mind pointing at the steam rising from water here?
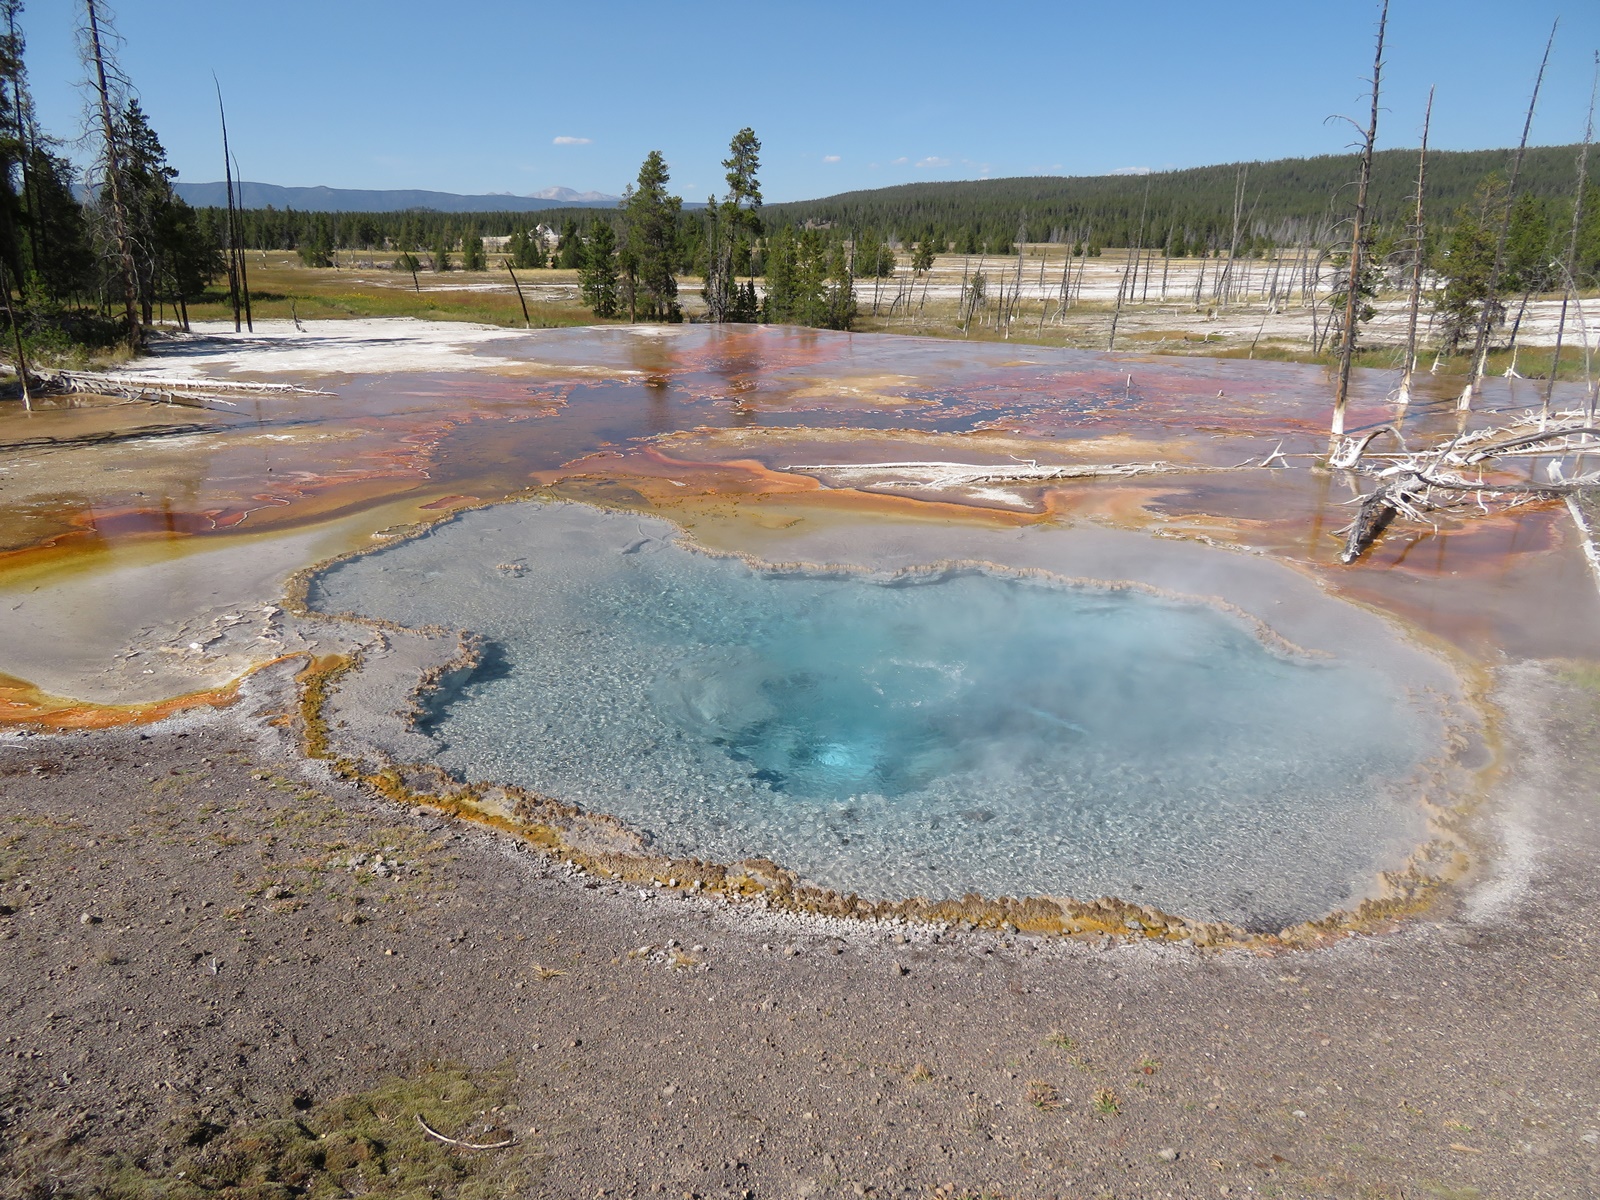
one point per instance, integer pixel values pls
(928, 735)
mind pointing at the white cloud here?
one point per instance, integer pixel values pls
(1130, 171)
(564, 140)
(830, 158)
(933, 160)
(900, 162)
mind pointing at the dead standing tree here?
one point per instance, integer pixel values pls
(122, 243)
(1418, 249)
(1352, 299)
(1486, 318)
(235, 254)
(1569, 264)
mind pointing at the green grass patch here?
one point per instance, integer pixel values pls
(369, 1144)
(279, 291)
(1580, 674)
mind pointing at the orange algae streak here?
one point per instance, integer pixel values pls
(24, 706)
(660, 483)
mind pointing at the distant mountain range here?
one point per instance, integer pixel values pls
(326, 199)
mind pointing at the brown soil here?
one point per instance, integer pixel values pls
(659, 1044)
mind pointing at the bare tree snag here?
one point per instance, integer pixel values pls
(119, 210)
(1352, 300)
(525, 320)
(1480, 349)
(16, 341)
(1418, 250)
(1569, 286)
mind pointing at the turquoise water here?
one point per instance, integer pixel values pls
(933, 734)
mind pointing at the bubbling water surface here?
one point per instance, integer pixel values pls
(929, 733)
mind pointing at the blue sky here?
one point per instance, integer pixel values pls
(498, 96)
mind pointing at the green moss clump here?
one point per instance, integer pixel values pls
(369, 1144)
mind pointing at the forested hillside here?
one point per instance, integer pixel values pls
(1283, 200)
(1281, 203)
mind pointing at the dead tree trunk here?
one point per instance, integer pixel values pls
(1480, 348)
(1568, 263)
(527, 323)
(1225, 280)
(1417, 233)
(1352, 299)
(16, 340)
(119, 210)
(244, 271)
(231, 227)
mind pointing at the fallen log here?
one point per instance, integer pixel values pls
(108, 384)
(1376, 511)
(101, 437)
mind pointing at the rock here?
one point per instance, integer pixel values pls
(277, 892)
(1299, 1112)
(900, 969)
(1167, 1154)
(89, 919)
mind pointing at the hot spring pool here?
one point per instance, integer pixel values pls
(927, 733)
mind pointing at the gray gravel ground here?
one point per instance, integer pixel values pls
(666, 1045)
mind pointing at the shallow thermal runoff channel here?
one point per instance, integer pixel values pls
(900, 709)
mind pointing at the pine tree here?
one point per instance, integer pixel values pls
(840, 310)
(1466, 266)
(441, 252)
(60, 261)
(172, 259)
(597, 278)
(525, 250)
(472, 256)
(652, 216)
(569, 248)
(732, 226)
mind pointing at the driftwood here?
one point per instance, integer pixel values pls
(1450, 477)
(450, 1141)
